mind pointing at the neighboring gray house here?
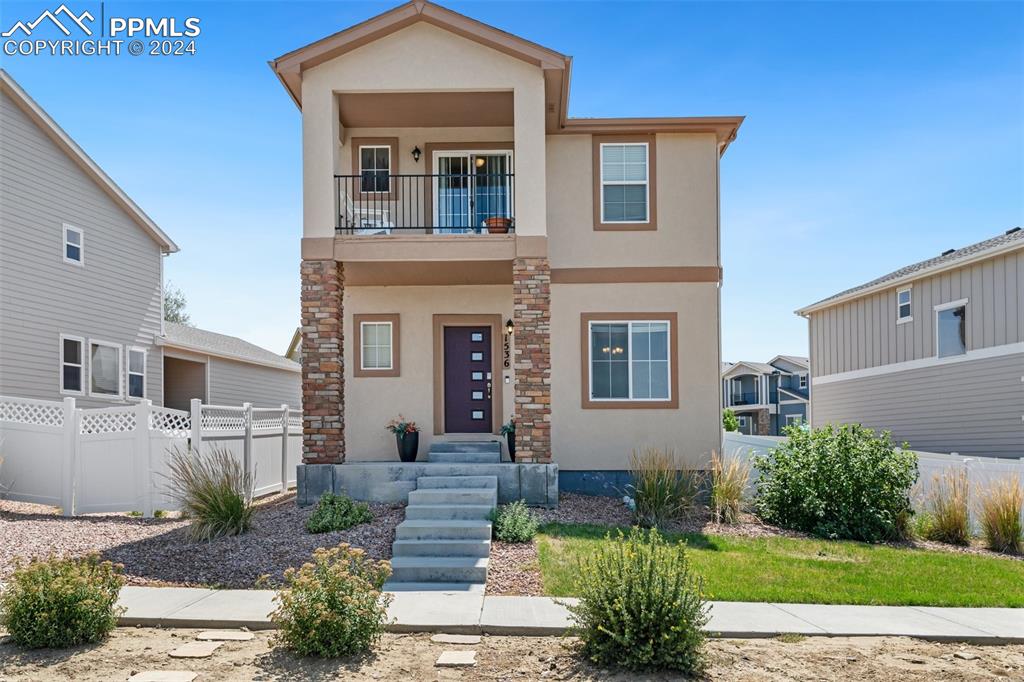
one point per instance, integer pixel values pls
(81, 286)
(767, 396)
(933, 352)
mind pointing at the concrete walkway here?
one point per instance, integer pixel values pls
(463, 609)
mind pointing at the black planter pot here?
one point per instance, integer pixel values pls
(510, 438)
(408, 446)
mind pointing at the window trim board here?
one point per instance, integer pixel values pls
(396, 344)
(587, 403)
(652, 183)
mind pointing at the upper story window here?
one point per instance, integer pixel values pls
(951, 328)
(136, 373)
(375, 168)
(629, 360)
(104, 369)
(625, 190)
(903, 297)
(74, 245)
(71, 364)
(803, 381)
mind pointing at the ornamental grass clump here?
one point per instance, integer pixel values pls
(999, 513)
(332, 606)
(337, 512)
(640, 605)
(57, 603)
(839, 483)
(947, 513)
(662, 490)
(213, 491)
(729, 477)
(514, 522)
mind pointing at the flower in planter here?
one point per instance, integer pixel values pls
(509, 428)
(400, 426)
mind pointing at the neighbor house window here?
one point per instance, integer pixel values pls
(377, 341)
(903, 305)
(794, 419)
(71, 365)
(74, 245)
(136, 373)
(624, 182)
(743, 421)
(375, 168)
(951, 329)
(803, 381)
(104, 369)
(629, 360)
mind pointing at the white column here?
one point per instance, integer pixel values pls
(247, 439)
(143, 460)
(70, 458)
(196, 424)
(284, 448)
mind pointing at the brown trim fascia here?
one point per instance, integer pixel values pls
(470, 320)
(652, 183)
(396, 345)
(428, 152)
(392, 142)
(531, 246)
(673, 354)
(688, 273)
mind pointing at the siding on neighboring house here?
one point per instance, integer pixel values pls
(115, 297)
(234, 383)
(973, 407)
(189, 382)
(863, 332)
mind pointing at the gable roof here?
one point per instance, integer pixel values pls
(557, 69)
(183, 337)
(792, 359)
(1010, 240)
(758, 367)
(295, 345)
(49, 127)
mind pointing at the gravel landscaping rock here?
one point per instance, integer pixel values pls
(158, 552)
(513, 569)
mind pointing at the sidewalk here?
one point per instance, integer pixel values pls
(463, 609)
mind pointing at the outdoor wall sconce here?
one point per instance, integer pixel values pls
(416, 154)
(509, 327)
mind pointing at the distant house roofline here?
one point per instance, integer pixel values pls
(194, 340)
(65, 142)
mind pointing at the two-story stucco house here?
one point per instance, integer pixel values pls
(767, 396)
(473, 254)
(81, 288)
(933, 352)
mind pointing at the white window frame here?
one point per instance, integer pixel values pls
(120, 370)
(803, 381)
(375, 170)
(391, 346)
(909, 290)
(128, 372)
(83, 349)
(794, 419)
(949, 306)
(646, 183)
(629, 360)
(743, 420)
(81, 245)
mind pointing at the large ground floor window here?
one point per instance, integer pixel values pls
(629, 361)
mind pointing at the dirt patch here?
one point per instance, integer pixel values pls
(412, 657)
(158, 551)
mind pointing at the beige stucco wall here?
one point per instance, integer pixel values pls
(420, 58)
(687, 209)
(371, 401)
(603, 438)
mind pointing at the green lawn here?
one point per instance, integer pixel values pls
(809, 571)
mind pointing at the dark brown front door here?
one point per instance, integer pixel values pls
(467, 379)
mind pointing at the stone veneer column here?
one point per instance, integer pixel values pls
(764, 423)
(531, 298)
(323, 369)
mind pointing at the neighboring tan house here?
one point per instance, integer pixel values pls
(767, 396)
(472, 254)
(81, 286)
(933, 352)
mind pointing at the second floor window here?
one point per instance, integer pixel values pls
(624, 183)
(951, 329)
(375, 168)
(803, 381)
(903, 305)
(74, 246)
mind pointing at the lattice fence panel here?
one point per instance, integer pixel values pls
(266, 419)
(107, 421)
(223, 419)
(170, 422)
(294, 422)
(36, 414)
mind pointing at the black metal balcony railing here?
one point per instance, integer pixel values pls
(376, 202)
(751, 398)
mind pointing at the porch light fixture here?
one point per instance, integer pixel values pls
(509, 326)
(416, 154)
(480, 161)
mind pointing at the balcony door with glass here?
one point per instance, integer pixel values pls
(469, 188)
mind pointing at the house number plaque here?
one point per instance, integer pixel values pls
(507, 349)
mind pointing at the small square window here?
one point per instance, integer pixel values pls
(903, 300)
(478, 414)
(74, 245)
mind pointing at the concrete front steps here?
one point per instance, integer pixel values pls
(446, 535)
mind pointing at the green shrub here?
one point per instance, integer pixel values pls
(332, 606)
(947, 513)
(337, 512)
(730, 422)
(999, 512)
(661, 490)
(640, 605)
(213, 490)
(841, 482)
(729, 477)
(514, 522)
(58, 603)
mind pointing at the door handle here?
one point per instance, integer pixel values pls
(488, 390)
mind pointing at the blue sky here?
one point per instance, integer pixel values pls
(877, 134)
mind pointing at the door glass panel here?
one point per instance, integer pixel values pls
(478, 376)
(453, 197)
(476, 336)
(478, 395)
(491, 195)
(478, 414)
(477, 357)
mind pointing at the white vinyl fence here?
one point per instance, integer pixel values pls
(981, 471)
(114, 459)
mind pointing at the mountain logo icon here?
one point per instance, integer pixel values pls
(69, 16)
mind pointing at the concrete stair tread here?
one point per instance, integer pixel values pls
(448, 511)
(439, 561)
(456, 482)
(460, 457)
(431, 523)
(454, 496)
(477, 548)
